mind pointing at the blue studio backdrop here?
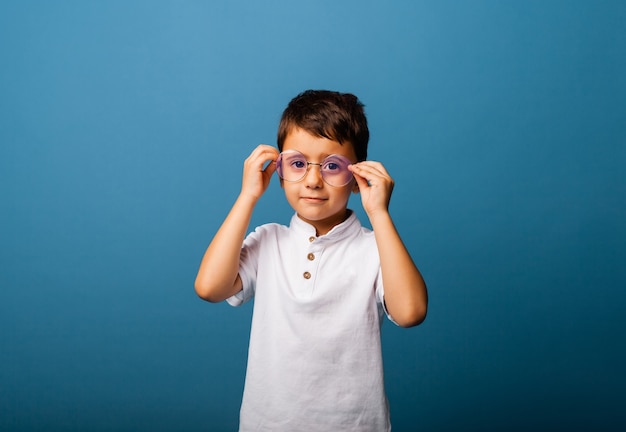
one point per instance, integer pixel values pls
(123, 130)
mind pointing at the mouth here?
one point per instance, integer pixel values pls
(313, 199)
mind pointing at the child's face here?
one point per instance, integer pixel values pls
(315, 201)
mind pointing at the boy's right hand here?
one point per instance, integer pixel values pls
(256, 179)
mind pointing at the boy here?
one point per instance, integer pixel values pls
(321, 285)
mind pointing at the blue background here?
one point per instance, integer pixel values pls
(123, 129)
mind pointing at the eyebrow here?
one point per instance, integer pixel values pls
(307, 157)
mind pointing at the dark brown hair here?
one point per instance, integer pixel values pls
(327, 114)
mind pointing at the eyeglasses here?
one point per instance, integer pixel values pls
(292, 166)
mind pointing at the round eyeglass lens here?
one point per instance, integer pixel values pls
(335, 170)
(291, 166)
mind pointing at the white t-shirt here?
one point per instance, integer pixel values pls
(314, 360)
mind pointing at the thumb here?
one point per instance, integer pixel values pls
(270, 168)
(361, 181)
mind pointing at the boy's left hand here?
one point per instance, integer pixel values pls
(375, 186)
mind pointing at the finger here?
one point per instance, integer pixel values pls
(262, 154)
(270, 168)
(266, 150)
(372, 175)
(372, 168)
(361, 181)
(360, 175)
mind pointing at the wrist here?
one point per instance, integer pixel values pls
(379, 216)
(247, 199)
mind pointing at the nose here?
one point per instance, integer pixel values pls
(313, 176)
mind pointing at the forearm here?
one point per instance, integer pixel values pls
(217, 277)
(406, 296)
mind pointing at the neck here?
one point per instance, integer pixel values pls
(323, 227)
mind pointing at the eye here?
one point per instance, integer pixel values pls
(298, 164)
(335, 164)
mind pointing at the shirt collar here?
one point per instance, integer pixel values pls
(339, 232)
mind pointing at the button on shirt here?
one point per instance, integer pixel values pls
(314, 361)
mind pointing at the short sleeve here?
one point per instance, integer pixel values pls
(380, 296)
(248, 264)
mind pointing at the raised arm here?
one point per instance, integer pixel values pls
(218, 276)
(406, 297)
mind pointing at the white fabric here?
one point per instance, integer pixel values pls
(314, 361)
